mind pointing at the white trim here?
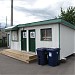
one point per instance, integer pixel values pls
(27, 40)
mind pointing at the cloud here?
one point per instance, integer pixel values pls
(46, 13)
(50, 10)
(29, 1)
(32, 10)
(4, 11)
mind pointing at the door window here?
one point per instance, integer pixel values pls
(24, 34)
(32, 34)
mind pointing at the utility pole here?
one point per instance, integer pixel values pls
(6, 22)
(11, 12)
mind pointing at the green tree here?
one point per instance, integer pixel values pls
(68, 15)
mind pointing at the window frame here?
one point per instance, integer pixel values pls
(12, 36)
(45, 37)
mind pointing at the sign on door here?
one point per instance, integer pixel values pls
(24, 34)
(32, 34)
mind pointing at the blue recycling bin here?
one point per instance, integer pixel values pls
(53, 56)
(42, 56)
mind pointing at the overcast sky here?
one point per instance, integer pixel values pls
(26, 11)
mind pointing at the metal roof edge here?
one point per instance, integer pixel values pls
(40, 23)
(11, 28)
(67, 24)
(51, 21)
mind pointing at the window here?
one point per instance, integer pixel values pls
(32, 34)
(14, 36)
(46, 34)
(24, 34)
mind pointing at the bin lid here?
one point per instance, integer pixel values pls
(41, 49)
(53, 49)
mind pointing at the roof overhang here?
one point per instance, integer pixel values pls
(12, 28)
(52, 21)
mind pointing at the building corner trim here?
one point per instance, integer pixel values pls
(59, 35)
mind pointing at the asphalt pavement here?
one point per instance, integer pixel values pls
(10, 66)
